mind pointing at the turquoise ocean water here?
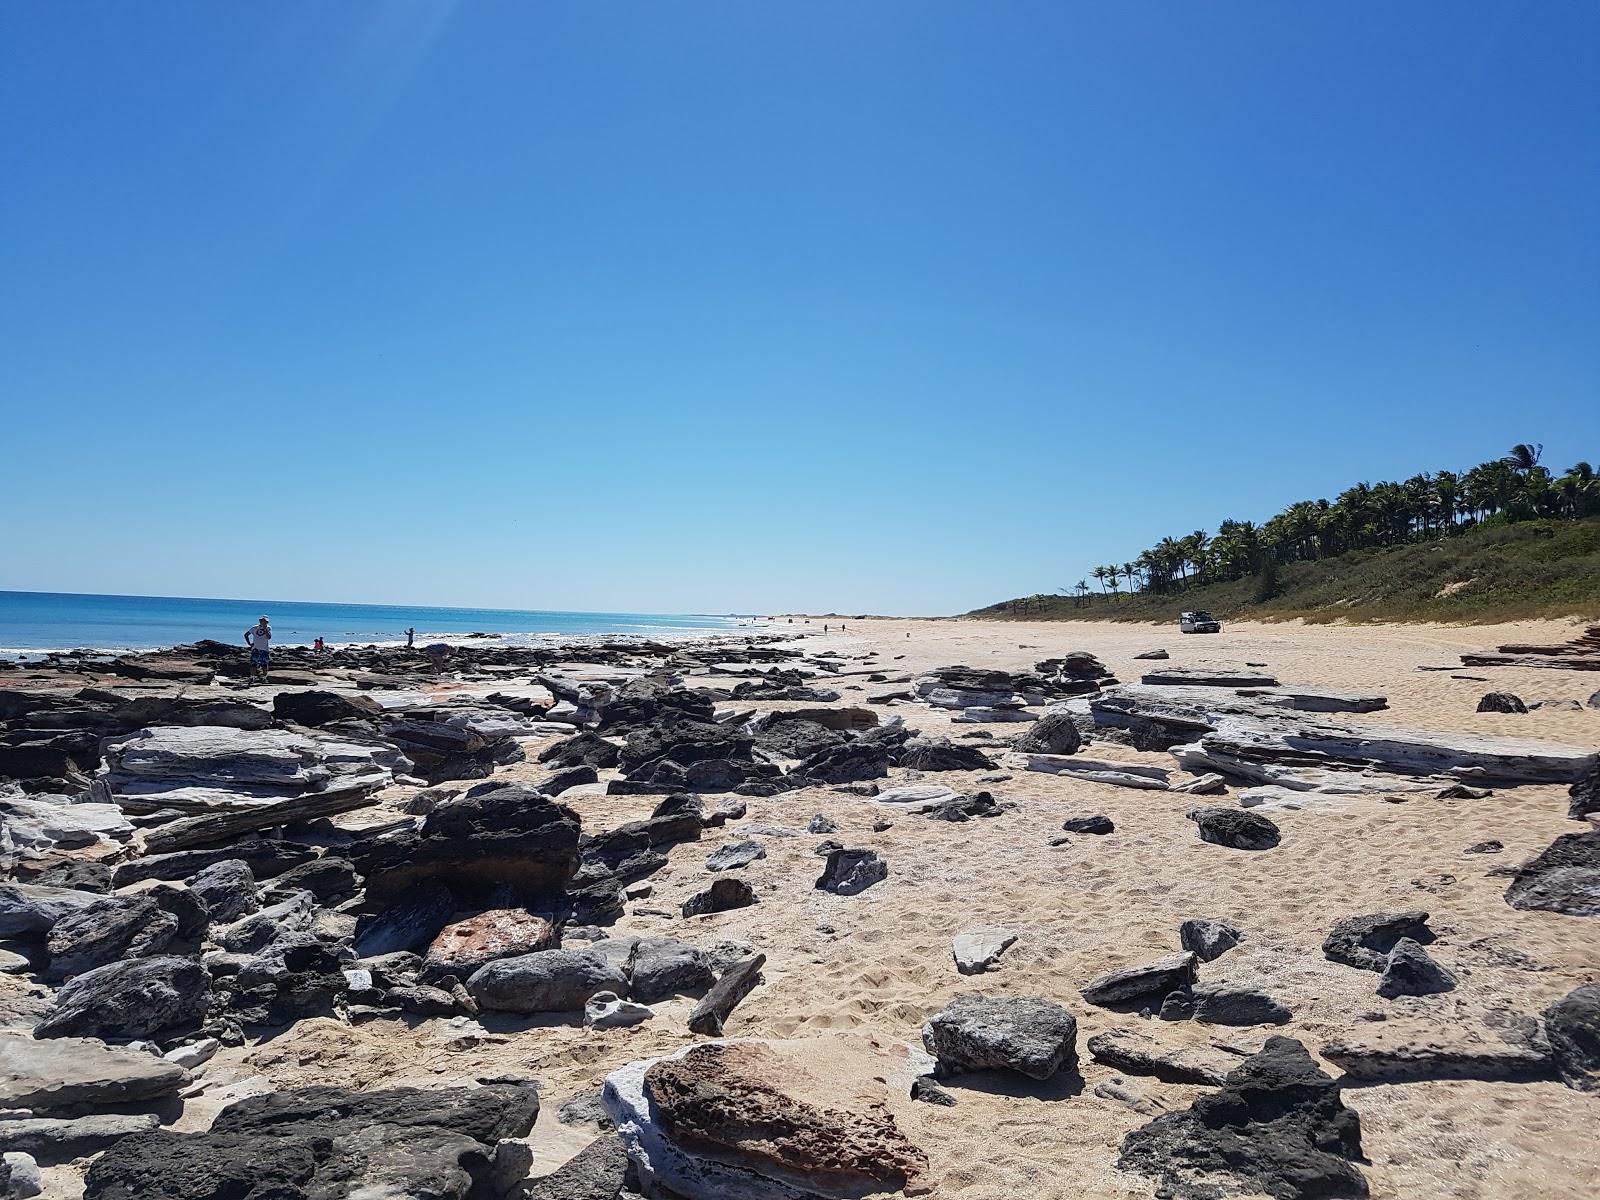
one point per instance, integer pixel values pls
(62, 620)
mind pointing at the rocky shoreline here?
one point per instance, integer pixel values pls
(509, 848)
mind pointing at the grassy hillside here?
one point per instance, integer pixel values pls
(1492, 573)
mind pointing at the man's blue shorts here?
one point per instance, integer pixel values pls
(258, 658)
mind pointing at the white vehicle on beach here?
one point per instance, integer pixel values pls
(1199, 621)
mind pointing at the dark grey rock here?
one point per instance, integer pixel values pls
(1365, 941)
(926, 1090)
(1276, 1127)
(821, 823)
(1585, 793)
(1501, 702)
(1572, 1025)
(1220, 1004)
(600, 1171)
(1564, 878)
(227, 889)
(1029, 1035)
(1098, 823)
(941, 754)
(136, 998)
(849, 872)
(1053, 733)
(726, 893)
(112, 928)
(1237, 828)
(662, 967)
(734, 855)
(1150, 980)
(548, 981)
(1208, 939)
(1410, 971)
(1494, 846)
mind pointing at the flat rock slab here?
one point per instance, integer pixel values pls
(1206, 677)
(917, 797)
(778, 1120)
(1151, 979)
(977, 950)
(1093, 770)
(1411, 1050)
(1140, 1054)
(62, 1072)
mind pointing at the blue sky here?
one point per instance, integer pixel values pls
(899, 307)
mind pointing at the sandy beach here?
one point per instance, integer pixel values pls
(874, 967)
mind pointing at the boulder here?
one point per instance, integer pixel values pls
(112, 928)
(28, 908)
(330, 879)
(661, 967)
(548, 981)
(319, 1142)
(1410, 971)
(852, 762)
(1277, 1126)
(1029, 1035)
(849, 872)
(1234, 827)
(976, 950)
(1564, 878)
(1366, 941)
(1053, 733)
(1225, 1004)
(941, 754)
(1207, 939)
(584, 749)
(726, 893)
(315, 708)
(509, 837)
(59, 1138)
(66, 1072)
(762, 1119)
(1572, 1025)
(137, 998)
(676, 737)
(1501, 702)
(227, 889)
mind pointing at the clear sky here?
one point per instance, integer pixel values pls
(901, 307)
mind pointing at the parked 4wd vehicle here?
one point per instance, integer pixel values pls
(1199, 621)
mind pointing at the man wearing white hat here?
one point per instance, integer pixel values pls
(259, 638)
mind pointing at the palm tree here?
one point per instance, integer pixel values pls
(1524, 456)
(1130, 572)
(1099, 575)
(1083, 591)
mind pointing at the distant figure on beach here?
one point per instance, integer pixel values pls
(437, 652)
(319, 647)
(259, 638)
(411, 638)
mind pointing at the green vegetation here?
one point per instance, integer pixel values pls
(1503, 541)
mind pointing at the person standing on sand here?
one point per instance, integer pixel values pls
(411, 638)
(259, 638)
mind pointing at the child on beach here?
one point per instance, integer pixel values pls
(259, 638)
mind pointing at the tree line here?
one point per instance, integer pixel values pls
(1517, 487)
